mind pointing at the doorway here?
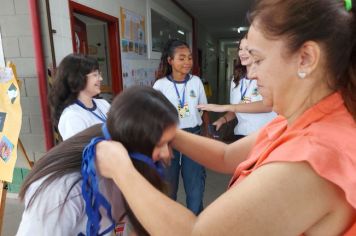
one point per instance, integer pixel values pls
(96, 34)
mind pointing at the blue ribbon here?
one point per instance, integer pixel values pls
(136, 155)
(90, 189)
(154, 165)
(91, 193)
(181, 101)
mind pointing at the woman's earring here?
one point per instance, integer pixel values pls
(301, 75)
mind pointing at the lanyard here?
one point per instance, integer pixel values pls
(181, 101)
(136, 155)
(242, 90)
(101, 116)
(154, 165)
(94, 200)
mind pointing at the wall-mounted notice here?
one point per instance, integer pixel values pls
(133, 35)
(133, 75)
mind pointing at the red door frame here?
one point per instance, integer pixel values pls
(114, 39)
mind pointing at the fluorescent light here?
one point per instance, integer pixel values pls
(241, 29)
(181, 32)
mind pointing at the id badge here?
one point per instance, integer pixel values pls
(120, 229)
(183, 111)
(246, 100)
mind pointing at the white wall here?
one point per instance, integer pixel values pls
(17, 39)
(61, 22)
(18, 46)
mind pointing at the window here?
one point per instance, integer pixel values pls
(164, 29)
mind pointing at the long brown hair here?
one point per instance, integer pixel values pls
(240, 71)
(70, 79)
(137, 118)
(323, 21)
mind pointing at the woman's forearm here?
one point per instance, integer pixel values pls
(213, 154)
(132, 185)
(253, 107)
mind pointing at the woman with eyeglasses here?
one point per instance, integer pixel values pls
(73, 105)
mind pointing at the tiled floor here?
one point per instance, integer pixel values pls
(215, 185)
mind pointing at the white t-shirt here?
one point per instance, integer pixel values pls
(47, 217)
(248, 122)
(194, 95)
(74, 118)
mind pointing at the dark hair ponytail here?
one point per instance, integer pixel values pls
(165, 68)
(151, 176)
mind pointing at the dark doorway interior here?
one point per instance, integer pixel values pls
(96, 34)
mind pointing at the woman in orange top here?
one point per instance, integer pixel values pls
(297, 175)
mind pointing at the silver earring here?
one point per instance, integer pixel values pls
(302, 75)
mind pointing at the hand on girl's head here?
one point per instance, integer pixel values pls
(111, 157)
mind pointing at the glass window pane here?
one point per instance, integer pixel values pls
(164, 29)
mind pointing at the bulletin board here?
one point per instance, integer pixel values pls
(10, 121)
(133, 35)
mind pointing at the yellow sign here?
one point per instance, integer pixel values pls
(10, 121)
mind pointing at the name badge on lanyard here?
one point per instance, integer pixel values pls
(183, 108)
(100, 116)
(243, 91)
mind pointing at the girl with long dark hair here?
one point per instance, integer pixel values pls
(72, 97)
(52, 191)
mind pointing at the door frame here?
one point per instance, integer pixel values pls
(114, 39)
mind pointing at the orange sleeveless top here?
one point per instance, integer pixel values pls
(324, 136)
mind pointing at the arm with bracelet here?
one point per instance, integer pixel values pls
(224, 119)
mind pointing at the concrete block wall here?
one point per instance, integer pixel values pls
(15, 26)
(18, 46)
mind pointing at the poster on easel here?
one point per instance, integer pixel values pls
(10, 120)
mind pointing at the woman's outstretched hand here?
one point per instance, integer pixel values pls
(212, 107)
(111, 157)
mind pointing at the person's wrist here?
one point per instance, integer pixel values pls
(225, 119)
(123, 172)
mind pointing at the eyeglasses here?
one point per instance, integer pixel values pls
(95, 74)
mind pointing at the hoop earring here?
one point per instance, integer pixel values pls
(301, 75)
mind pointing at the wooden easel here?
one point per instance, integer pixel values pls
(3, 185)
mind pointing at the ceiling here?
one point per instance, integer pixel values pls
(219, 17)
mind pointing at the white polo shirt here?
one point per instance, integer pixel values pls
(74, 118)
(248, 122)
(194, 95)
